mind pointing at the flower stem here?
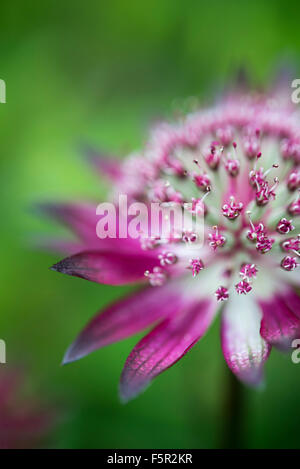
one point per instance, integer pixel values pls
(233, 414)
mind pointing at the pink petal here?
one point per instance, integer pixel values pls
(127, 317)
(108, 267)
(164, 346)
(107, 165)
(82, 219)
(280, 325)
(61, 246)
(244, 349)
(292, 300)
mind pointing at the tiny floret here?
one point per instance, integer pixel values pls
(216, 240)
(232, 209)
(243, 287)
(222, 294)
(289, 263)
(157, 277)
(196, 265)
(248, 271)
(284, 226)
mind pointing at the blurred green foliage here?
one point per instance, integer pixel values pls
(100, 72)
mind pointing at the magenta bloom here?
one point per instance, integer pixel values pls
(243, 158)
(23, 422)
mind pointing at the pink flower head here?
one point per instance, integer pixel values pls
(181, 308)
(25, 423)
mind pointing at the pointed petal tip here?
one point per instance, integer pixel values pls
(64, 266)
(70, 356)
(253, 379)
(260, 387)
(164, 346)
(123, 399)
(46, 208)
(128, 393)
(124, 395)
(77, 350)
(56, 267)
(67, 358)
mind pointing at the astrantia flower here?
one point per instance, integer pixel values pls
(245, 155)
(23, 422)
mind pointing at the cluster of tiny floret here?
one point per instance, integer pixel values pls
(236, 131)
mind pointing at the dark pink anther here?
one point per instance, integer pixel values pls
(232, 209)
(167, 258)
(248, 271)
(216, 240)
(189, 237)
(157, 277)
(265, 193)
(289, 263)
(222, 294)
(284, 226)
(202, 181)
(294, 207)
(291, 244)
(264, 244)
(243, 287)
(293, 181)
(256, 177)
(196, 265)
(232, 167)
(213, 155)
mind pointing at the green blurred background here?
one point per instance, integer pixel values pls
(100, 72)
